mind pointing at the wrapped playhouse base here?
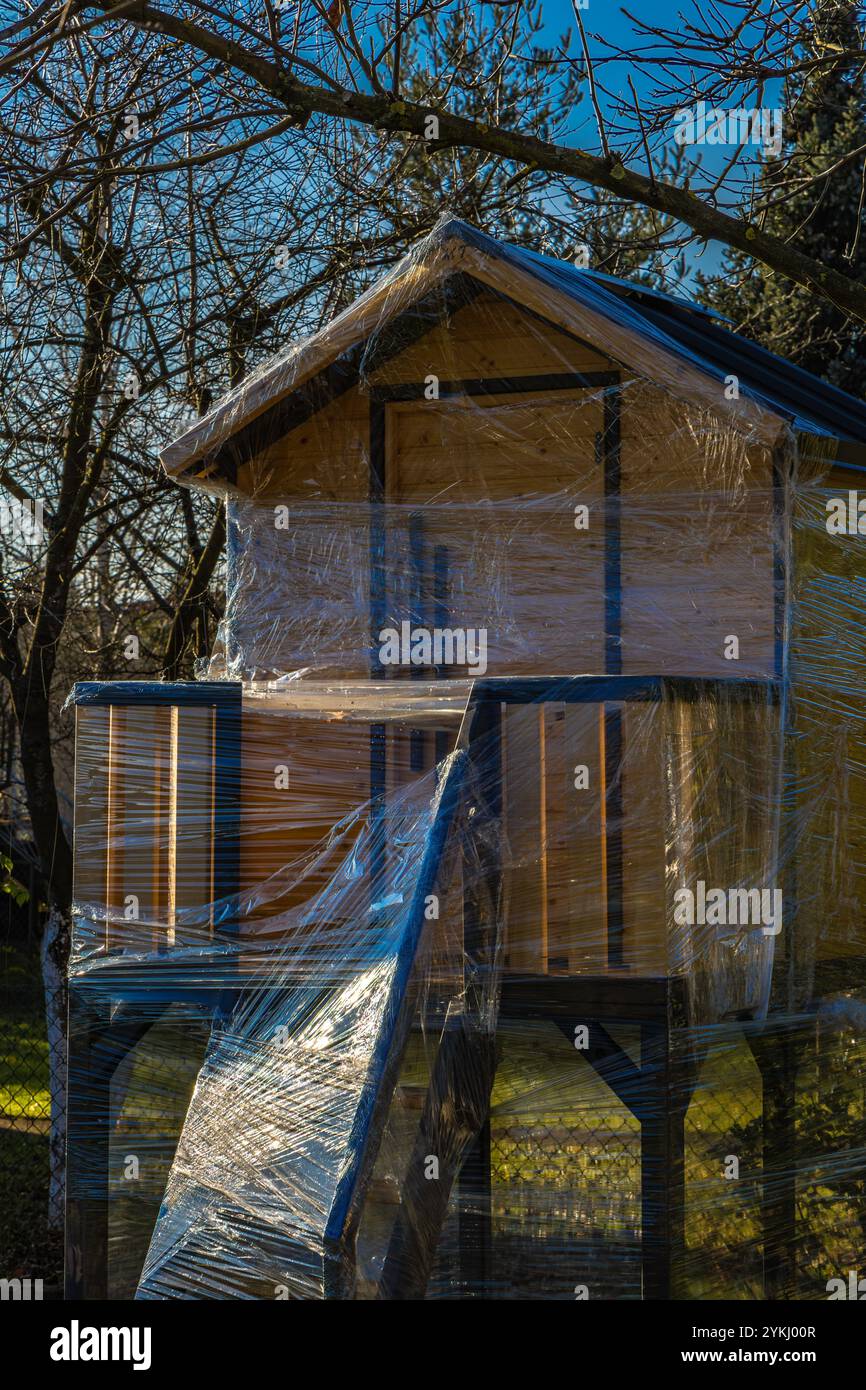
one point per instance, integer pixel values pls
(486, 922)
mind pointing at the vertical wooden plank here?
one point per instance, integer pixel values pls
(557, 849)
(543, 877)
(644, 907)
(776, 1053)
(162, 784)
(586, 943)
(475, 1216)
(666, 1098)
(191, 818)
(171, 837)
(523, 799)
(602, 810)
(285, 857)
(92, 793)
(613, 832)
(114, 827)
(212, 820)
(138, 825)
(152, 728)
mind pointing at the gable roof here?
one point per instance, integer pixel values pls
(679, 345)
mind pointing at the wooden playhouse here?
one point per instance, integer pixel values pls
(449, 878)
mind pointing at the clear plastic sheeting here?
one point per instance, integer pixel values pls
(487, 921)
(517, 574)
(454, 263)
(352, 978)
(303, 1069)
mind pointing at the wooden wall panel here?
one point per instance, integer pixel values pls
(825, 757)
(325, 458)
(139, 826)
(145, 812)
(193, 779)
(575, 840)
(301, 599)
(496, 483)
(523, 804)
(284, 858)
(697, 543)
(90, 861)
(490, 337)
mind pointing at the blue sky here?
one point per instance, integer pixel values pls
(608, 19)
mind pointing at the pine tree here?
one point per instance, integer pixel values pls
(825, 119)
(453, 59)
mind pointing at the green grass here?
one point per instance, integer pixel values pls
(24, 1069)
(24, 1093)
(27, 1248)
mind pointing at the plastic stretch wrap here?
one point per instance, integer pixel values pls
(487, 921)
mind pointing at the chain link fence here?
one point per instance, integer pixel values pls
(565, 1167)
(565, 1158)
(566, 1173)
(29, 1249)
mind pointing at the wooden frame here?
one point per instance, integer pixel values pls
(112, 1005)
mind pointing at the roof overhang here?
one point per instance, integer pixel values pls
(604, 319)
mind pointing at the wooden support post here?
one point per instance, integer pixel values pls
(664, 1103)
(475, 1217)
(775, 1051)
(97, 1046)
(454, 1122)
(657, 1093)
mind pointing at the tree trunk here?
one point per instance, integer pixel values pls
(55, 954)
(55, 855)
(190, 601)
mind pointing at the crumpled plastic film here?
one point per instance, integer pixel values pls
(486, 920)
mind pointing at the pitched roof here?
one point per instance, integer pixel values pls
(811, 404)
(681, 346)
